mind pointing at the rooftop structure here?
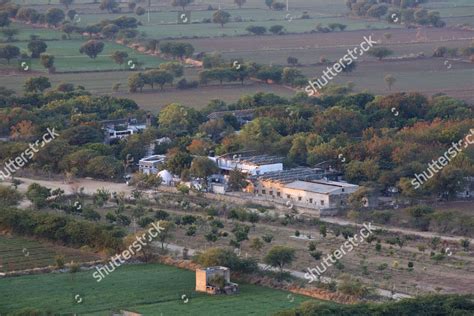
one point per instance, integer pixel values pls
(249, 164)
(149, 165)
(290, 175)
(215, 280)
(322, 187)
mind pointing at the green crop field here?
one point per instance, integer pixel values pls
(68, 57)
(150, 289)
(18, 253)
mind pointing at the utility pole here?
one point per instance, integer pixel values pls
(287, 5)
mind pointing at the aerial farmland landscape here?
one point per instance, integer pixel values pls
(237, 157)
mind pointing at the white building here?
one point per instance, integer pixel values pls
(112, 132)
(150, 165)
(251, 165)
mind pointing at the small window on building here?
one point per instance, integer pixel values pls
(299, 198)
(264, 192)
(278, 194)
(311, 201)
(271, 192)
(288, 196)
(343, 190)
(322, 202)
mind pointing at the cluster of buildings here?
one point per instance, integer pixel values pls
(312, 188)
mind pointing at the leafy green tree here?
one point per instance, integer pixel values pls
(237, 180)
(269, 3)
(203, 167)
(166, 232)
(175, 68)
(9, 52)
(92, 48)
(257, 30)
(279, 256)
(277, 29)
(54, 16)
(4, 19)
(221, 17)
(9, 196)
(37, 47)
(181, 3)
(136, 82)
(119, 57)
(10, 33)
(38, 195)
(37, 84)
(380, 52)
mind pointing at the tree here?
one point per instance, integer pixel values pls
(68, 28)
(240, 3)
(119, 57)
(4, 19)
(174, 68)
(38, 195)
(323, 230)
(37, 84)
(279, 256)
(37, 47)
(257, 30)
(140, 11)
(237, 180)
(54, 16)
(66, 3)
(390, 81)
(109, 5)
(279, 6)
(166, 232)
(349, 67)
(221, 17)
(292, 61)
(136, 82)
(181, 3)
(160, 77)
(465, 244)
(47, 61)
(203, 167)
(9, 196)
(92, 48)
(71, 14)
(380, 52)
(277, 29)
(290, 75)
(256, 244)
(9, 52)
(10, 33)
(269, 3)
